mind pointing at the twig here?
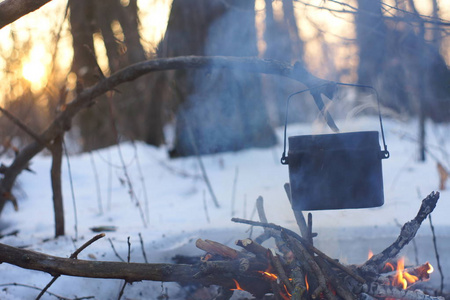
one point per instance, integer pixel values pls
(87, 244)
(115, 252)
(304, 243)
(56, 150)
(407, 233)
(299, 218)
(72, 190)
(128, 261)
(142, 248)
(205, 207)
(72, 256)
(39, 289)
(109, 196)
(22, 126)
(122, 290)
(141, 178)
(200, 163)
(300, 252)
(233, 193)
(437, 254)
(97, 184)
(131, 191)
(129, 250)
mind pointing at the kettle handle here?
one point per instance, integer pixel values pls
(316, 92)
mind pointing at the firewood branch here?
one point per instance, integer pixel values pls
(62, 121)
(407, 233)
(11, 10)
(130, 272)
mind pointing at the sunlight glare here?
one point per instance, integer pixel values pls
(34, 72)
(34, 67)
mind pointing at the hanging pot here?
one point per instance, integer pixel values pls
(335, 171)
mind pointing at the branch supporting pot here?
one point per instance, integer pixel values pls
(335, 171)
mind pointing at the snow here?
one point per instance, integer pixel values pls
(178, 208)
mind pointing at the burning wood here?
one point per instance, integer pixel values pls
(300, 271)
(297, 270)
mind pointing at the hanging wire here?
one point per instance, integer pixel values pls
(385, 152)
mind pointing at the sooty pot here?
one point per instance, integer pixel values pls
(335, 171)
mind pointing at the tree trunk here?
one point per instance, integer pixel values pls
(119, 28)
(371, 35)
(221, 108)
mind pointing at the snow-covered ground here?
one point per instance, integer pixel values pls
(178, 209)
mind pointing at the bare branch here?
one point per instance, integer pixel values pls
(62, 122)
(130, 272)
(11, 10)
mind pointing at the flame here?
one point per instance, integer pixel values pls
(370, 254)
(403, 278)
(306, 282)
(269, 275)
(430, 268)
(238, 287)
(388, 266)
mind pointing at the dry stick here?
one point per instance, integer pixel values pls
(72, 190)
(304, 243)
(131, 191)
(299, 218)
(205, 207)
(301, 252)
(437, 254)
(407, 233)
(39, 289)
(276, 263)
(22, 126)
(141, 178)
(114, 250)
(128, 261)
(338, 285)
(58, 207)
(72, 256)
(97, 184)
(109, 196)
(233, 193)
(131, 272)
(142, 248)
(200, 163)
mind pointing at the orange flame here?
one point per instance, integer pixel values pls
(238, 287)
(268, 275)
(402, 278)
(370, 254)
(388, 266)
(430, 268)
(306, 282)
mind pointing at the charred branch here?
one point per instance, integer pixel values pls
(374, 265)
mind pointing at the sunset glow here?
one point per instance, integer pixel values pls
(34, 72)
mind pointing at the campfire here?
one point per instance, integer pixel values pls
(298, 270)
